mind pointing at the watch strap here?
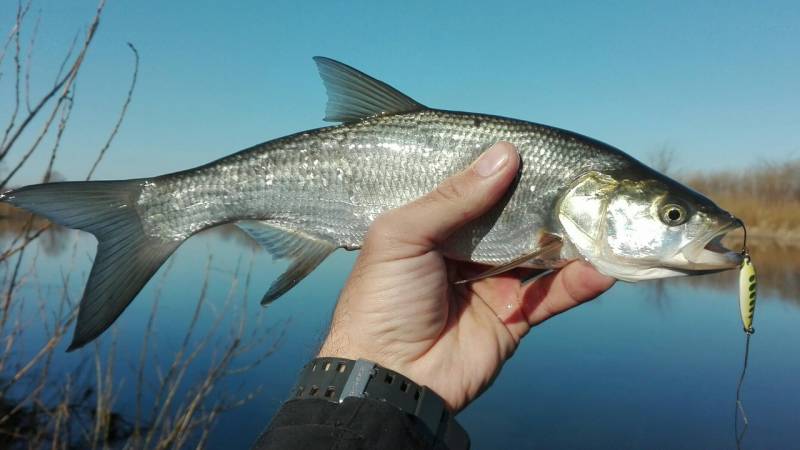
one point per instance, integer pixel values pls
(335, 379)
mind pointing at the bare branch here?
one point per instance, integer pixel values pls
(13, 119)
(66, 112)
(65, 83)
(121, 114)
(29, 60)
(14, 30)
(78, 411)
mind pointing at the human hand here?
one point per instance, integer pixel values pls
(400, 308)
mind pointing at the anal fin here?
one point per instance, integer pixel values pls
(305, 253)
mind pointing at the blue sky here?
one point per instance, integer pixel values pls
(718, 82)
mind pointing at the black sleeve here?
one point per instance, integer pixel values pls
(356, 423)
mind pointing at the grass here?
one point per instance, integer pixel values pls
(766, 197)
(52, 400)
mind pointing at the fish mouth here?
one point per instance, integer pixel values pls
(710, 253)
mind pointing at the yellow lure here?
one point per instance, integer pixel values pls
(747, 293)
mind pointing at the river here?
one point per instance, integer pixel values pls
(647, 365)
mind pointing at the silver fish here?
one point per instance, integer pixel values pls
(305, 195)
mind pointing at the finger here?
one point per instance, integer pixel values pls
(428, 221)
(576, 283)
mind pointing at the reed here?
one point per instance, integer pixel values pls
(765, 196)
(51, 400)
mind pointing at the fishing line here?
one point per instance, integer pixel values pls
(739, 406)
(747, 306)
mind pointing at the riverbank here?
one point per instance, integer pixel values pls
(766, 197)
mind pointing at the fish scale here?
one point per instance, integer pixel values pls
(302, 196)
(333, 182)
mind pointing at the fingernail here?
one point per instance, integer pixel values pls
(491, 161)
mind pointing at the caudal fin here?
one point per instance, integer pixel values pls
(126, 256)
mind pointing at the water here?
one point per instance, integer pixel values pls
(649, 365)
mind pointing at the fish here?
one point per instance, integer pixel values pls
(305, 195)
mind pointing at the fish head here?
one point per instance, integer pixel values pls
(645, 226)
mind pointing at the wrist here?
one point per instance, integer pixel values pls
(339, 349)
(341, 345)
(337, 379)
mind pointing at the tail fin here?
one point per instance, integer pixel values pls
(126, 256)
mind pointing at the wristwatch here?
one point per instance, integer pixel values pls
(335, 379)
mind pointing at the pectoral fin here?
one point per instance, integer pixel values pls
(550, 248)
(304, 252)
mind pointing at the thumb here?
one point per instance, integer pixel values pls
(426, 222)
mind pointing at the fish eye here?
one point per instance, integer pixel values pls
(673, 215)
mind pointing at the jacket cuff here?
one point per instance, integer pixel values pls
(353, 424)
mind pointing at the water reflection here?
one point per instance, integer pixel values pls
(778, 269)
(777, 262)
(627, 373)
(14, 223)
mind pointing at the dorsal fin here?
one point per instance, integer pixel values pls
(353, 95)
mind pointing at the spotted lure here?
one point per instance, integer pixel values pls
(748, 284)
(747, 292)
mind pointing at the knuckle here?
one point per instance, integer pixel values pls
(383, 232)
(382, 226)
(451, 191)
(456, 196)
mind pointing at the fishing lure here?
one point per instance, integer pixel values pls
(748, 284)
(747, 292)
